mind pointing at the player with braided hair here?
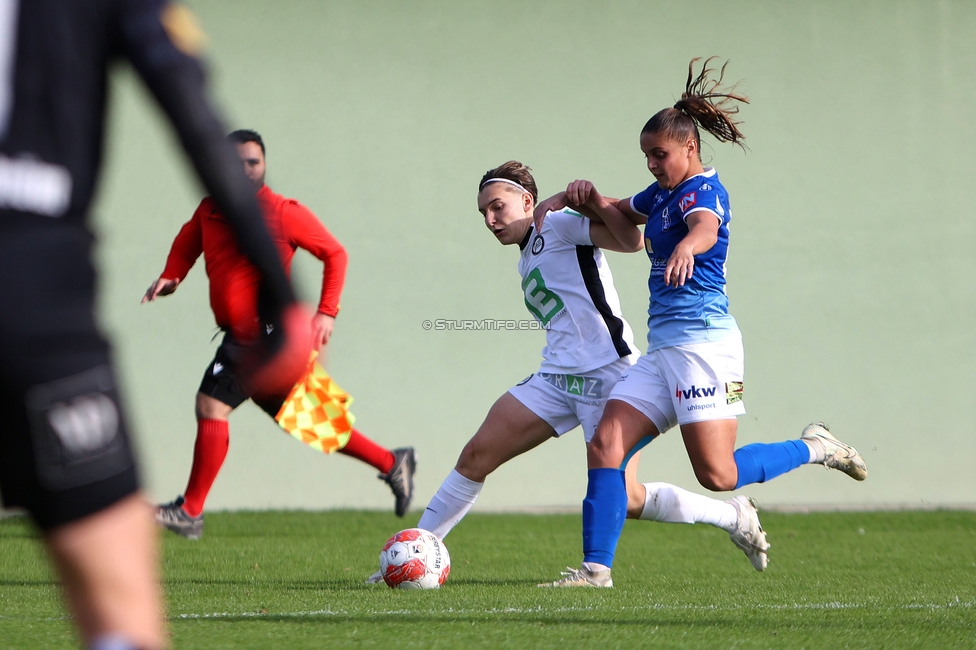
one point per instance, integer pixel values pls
(692, 374)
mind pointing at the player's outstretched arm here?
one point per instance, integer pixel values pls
(553, 203)
(162, 41)
(161, 287)
(623, 233)
(183, 254)
(558, 202)
(166, 59)
(303, 229)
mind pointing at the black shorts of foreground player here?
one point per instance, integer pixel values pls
(568, 288)
(692, 374)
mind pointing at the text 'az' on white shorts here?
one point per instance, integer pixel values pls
(686, 383)
(568, 401)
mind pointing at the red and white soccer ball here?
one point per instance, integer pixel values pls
(414, 559)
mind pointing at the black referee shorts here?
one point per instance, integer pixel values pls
(221, 380)
(64, 450)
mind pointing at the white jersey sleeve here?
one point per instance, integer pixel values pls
(572, 227)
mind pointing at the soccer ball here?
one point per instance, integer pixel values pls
(414, 559)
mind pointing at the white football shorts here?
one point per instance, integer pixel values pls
(568, 401)
(686, 383)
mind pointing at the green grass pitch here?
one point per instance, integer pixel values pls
(286, 580)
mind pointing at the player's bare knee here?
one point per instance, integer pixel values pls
(602, 450)
(208, 408)
(474, 463)
(716, 481)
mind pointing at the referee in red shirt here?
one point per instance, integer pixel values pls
(234, 287)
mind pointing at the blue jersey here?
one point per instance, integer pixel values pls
(698, 311)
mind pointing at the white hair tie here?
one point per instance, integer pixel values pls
(504, 180)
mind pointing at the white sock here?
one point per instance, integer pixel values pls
(817, 452)
(670, 504)
(111, 642)
(448, 507)
(594, 567)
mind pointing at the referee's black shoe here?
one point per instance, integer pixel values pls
(400, 478)
(172, 516)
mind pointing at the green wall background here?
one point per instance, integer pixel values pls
(851, 270)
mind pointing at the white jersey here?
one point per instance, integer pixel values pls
(569, 290)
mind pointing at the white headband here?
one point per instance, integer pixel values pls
(505, 180)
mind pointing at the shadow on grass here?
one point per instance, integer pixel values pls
(414, 619)
(29, 583)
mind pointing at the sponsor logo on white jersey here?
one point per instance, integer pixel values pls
(539, 300)
(695, 392)
(575, 384)
(734, 391)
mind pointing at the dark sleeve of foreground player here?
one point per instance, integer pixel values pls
(162, 41)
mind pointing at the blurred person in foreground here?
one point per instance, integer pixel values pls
(65, 453)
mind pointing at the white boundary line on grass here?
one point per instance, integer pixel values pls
(538, 610)
(535, 610)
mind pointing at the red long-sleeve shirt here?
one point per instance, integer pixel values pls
(234, 280)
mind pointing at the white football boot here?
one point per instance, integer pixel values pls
(749, 535)
(582, 577)
(376, 578)
(837, 455)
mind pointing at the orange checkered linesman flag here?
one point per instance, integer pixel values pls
(317, 410)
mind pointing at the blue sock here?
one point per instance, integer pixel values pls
(760, 462)
(604, 512)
